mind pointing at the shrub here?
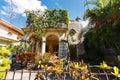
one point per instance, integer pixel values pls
(46, 57)
(4, 61)
(26, 56)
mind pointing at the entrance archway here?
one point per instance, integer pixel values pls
(52, 44)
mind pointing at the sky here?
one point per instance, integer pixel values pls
(13, 10)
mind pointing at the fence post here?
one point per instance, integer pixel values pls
(105, 74)
(6, 73)
(13, 74)
(21, 74)
(30, 74)
(64, 76)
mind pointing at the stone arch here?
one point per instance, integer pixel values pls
(52, 33)
(52, 43)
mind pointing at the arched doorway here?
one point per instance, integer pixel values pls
(52, 44)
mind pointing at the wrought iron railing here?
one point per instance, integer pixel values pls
(47, 75)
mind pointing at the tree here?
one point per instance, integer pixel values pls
(104, 34)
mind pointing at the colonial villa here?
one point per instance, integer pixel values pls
(9, 33)
(56, 40)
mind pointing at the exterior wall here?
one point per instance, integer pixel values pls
(73, 39)
(76, 26)
(8, 33)
(52, 37)
(3, 42)
(4, 32)
(61, 37)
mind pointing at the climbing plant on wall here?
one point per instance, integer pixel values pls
(38, 20)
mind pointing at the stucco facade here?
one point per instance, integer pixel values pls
(9, 33)
(55, 40)
(51, 42)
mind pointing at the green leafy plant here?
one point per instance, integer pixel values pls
(46, 57)
(26, 57)
(4, 61)
(103, 34)
(42, 59)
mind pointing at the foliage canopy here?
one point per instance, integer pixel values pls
(39, 20)
(104, 33)
(48, 18)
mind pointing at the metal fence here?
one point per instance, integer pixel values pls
(19, 75)
(32, 75)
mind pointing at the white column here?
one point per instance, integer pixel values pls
(59, 51)
(33, 43)
(37, 47)
(43, 45)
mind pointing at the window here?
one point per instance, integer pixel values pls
(9, 33)
(72, 32)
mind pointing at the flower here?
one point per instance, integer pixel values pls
(116, 71)
(104, 65)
